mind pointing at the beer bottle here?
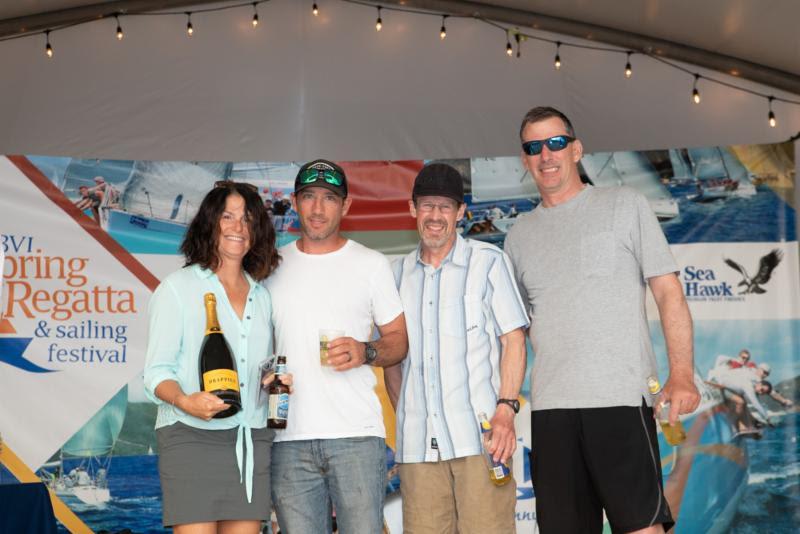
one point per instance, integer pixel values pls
(499, 473)
(278, 397)
(217, 365)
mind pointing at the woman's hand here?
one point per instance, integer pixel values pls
(202, 404)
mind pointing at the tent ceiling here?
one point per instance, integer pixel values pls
(300, 86)
(764, 33)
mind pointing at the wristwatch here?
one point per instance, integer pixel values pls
(370, 353)
(513, 403)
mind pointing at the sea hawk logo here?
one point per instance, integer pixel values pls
(766, 265)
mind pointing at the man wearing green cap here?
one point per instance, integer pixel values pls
(332, 452)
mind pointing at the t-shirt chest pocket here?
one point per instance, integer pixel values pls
(597, 254)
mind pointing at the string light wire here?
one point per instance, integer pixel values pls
(509, 50)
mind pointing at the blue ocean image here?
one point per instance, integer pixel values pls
(135, 497)
(763, 217)
(771, 501)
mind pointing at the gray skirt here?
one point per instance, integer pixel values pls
(200, 478)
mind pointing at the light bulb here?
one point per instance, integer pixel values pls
(315, 9)
(696, 95)
(557, 62)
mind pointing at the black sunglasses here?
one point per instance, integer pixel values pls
(554, 144)
(232, 185)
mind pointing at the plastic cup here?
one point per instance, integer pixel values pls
(326, 335)
(674, 434)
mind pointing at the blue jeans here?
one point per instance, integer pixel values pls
(308, 476)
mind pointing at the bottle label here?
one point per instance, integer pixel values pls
(653, 385)
(278, 406)
(220, 379)
(280, 369)
(499, 470)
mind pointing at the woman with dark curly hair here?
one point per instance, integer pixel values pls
(214, 472)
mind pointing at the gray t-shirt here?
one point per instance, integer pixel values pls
(581, 267)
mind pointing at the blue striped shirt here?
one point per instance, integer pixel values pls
(455, 315)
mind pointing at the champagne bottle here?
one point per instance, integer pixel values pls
(217, 365)
(499, 473)
(278, 395)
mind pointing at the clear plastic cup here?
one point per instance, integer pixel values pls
(326, 335)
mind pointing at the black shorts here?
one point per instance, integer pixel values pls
(584, 461)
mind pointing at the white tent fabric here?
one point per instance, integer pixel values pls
(300, 86)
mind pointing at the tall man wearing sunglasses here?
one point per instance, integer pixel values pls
(466, 355)
(583, 259)
(332, 452)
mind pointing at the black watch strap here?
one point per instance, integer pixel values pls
(370, 353)
(513, 403)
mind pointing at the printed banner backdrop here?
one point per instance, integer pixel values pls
(86, 241)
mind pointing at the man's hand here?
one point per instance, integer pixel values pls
(503, 438)
(287, 379)
(682, 396)
(345, 353)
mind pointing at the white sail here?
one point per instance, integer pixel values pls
(631, 169)
(170, 190)
(501, 179)
(719, 174)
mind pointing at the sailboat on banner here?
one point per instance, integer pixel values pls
(632, 169)
(160, 196)
(718, 174)
(274, 181)
(500, 189)
(87, 456)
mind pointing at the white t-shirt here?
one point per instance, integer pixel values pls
(350, 289)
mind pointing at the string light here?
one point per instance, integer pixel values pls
(557, 60)
(120, 35)
(48, 49)
(771, 115)
(518, 37)
(628, 68)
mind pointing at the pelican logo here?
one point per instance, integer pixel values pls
(766, 265)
